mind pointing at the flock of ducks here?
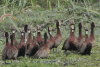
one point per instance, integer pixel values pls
(38, 47)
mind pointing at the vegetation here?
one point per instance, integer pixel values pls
(33, 12)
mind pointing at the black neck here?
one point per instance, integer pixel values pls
(80, 30)
(45, 40)
(11, 41)
(92, 30)
(6, 39)
(58, 31)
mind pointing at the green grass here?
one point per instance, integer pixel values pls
(66, 10)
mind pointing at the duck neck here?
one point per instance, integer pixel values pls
(39, 34)
(34, 39)
(13, 35)
(80, 32)
(29, 35)
(45, 40)
(51, 37)
(11, 41)
(72, 33)
(58, 31)
(86, 35)
(6, 39)
(22, 37)
(92, 31)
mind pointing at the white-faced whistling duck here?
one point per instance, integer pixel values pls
(92, 38)
(22, 47)
(39, 38)
(51, 42)
(29, 41)
(87, 45)
(71, 43)
(58, 37)
(44, 50)
(12, 52)
(13, 33)
(80, 37)
(33, 48)
(4, 52)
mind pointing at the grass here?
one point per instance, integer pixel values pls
(86, 12)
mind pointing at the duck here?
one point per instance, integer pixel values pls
(39, 37)
(13, 33)
(86, 45)
(80, 37)
(71, 43)
(58, 37)
(12, 52)
(7, 46)
(50, 42)
(22, 47)
(44, 50)
(92, 38)
(29, 40)
(34, 47)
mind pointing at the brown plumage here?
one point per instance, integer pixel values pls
(29, 41)
(12, 51)
(71, 43)
(39, 38)
(33, 48)
(58, 37)
(4, 52)
(44, 50)
(80, 37)
(86, 45)
(13, 33)
(51, 42)
(92, 38)
(22, 46)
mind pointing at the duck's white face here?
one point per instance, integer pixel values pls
(34, 34)
(34, 31)
(50, 28)
(22, 33)
(60, 23)
(72, 27)
(29, 31)
(25, 40)
(86, 32)
(13, 31)
(39, 28)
